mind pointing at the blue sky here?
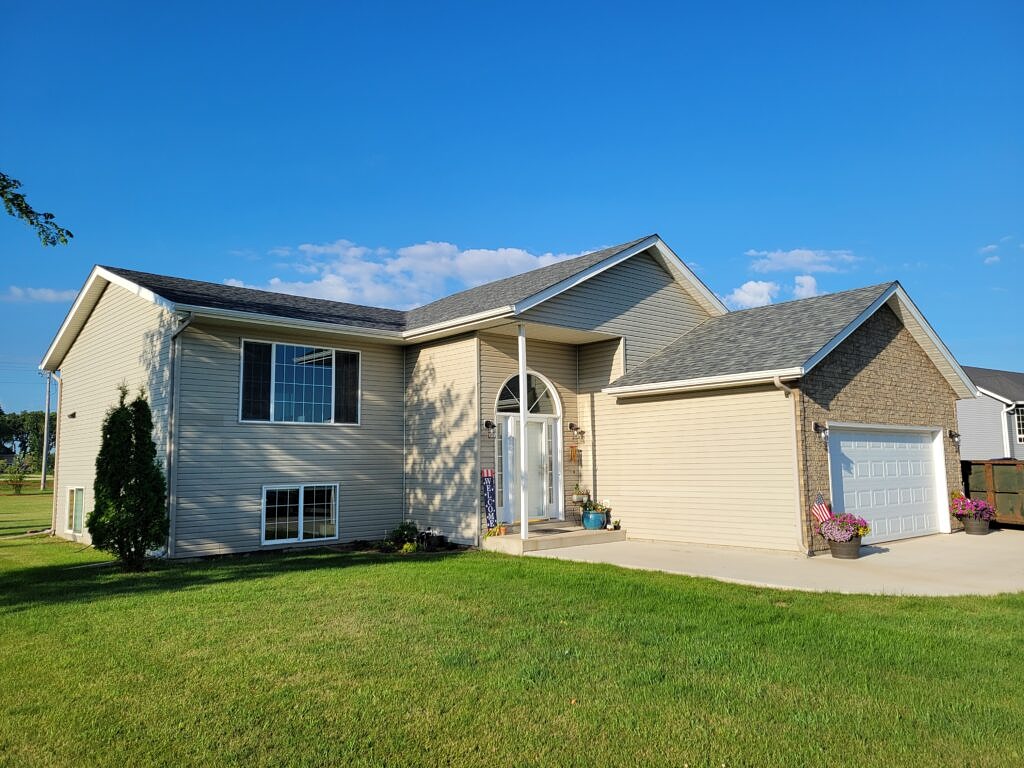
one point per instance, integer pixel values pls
(388, 154)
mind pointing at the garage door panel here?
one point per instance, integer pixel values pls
(889, 481)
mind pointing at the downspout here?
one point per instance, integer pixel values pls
(1006, 427)
(172, 398)
(788, 391)
(56, 452)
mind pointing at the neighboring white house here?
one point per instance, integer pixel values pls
(992, 424)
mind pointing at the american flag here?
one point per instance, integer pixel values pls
(820, 510)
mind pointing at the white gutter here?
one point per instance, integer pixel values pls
(780, 386)
(262, 319)
(707, 382)
(491, 314)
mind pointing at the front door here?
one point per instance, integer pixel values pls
(541, 468)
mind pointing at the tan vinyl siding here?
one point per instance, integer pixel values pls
(499, 361)
(711, 468)
(636, 299)
(125, 340)
(223, 464)
(441, 437)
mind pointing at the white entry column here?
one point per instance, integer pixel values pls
(524, 517)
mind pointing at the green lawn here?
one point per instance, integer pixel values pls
(28, 512)
(325, 658)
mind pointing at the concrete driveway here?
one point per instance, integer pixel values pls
(945, 564)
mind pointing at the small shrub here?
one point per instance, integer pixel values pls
(406, 533)
(409, 547)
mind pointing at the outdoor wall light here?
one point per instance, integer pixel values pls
(72, 414)
(576, 431)
(955, 437)
(821, 431)
(491, 428)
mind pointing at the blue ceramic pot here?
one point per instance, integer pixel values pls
(593, 521)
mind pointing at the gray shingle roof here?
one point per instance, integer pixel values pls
(502, 293)
(494, 295)
(1008, 384)
(767, 338)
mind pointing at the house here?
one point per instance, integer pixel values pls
(286, 421)
(992, 424)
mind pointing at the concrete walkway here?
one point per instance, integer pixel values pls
(945, 564)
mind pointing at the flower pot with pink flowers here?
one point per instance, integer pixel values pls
(975, 514)
(843, 534)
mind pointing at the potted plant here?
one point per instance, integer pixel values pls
(498, 530)
(843, 534)
(975, 514)
(579, 495)
(595, 515)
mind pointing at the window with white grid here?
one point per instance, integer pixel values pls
(294, 513)
(298, 384)
(1020, 425)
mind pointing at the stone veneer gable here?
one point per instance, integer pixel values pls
(878, 375)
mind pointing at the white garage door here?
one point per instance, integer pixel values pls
(894, 480)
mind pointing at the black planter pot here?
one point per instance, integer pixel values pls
(845, 550)
(975, 527)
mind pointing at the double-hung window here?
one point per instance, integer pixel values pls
(1020, 424)
(298, 384)
(294, 513)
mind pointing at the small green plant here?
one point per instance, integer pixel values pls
(15, 474)
(406, 533)
(409, 547)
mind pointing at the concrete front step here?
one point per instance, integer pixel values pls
(511, 544)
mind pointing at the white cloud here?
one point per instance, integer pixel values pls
(415, 274)
(994, 259)
(992, 248)
(805, 286)
(14, 293)
(801, 259)
(753, 293)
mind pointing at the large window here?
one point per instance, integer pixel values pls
(298, 384)
(76, 509)
(1020, 425)
(299, 513)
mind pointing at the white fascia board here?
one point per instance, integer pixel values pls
(707, 382)
(688, 276)
(133, 288)
(458, 324)
(288, 322)
(840, 337)
(994, 396)
(85, 302)
(581, 277)
(901, 295)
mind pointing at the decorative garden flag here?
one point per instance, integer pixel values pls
(490, 505)
(820, 510)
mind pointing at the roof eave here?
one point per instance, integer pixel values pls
(458, 325)
(258, 318)
(708, 382)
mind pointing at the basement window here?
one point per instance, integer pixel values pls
(295, 513)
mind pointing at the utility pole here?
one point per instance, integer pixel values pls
(46, 436)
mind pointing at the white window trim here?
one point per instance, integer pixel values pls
(71, 528)
(301, 488)
(1019, 423)
(273, 380)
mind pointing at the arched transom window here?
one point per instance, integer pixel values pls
(539, 397)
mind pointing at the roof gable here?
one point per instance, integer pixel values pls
(781, 341)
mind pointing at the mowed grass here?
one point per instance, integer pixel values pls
(332, 658)
(29, 511)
